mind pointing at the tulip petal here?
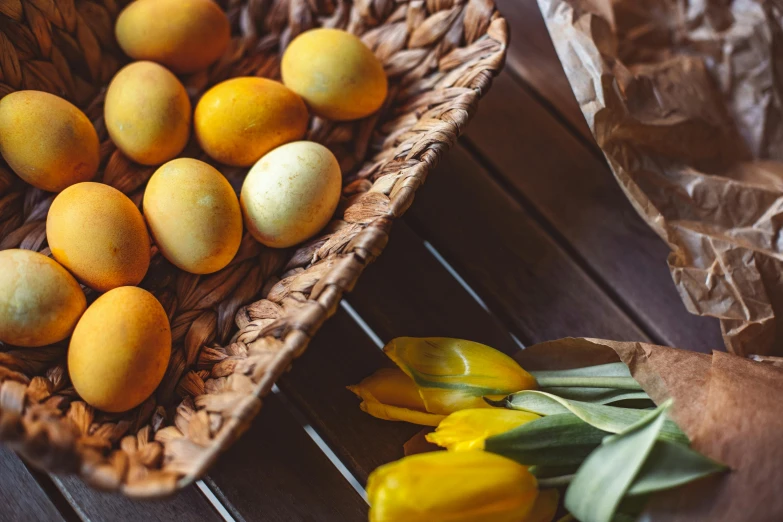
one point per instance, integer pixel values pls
(390, 386)
(454, 374)
(545, 508)
(468, 429)
(395, 413)
(470, 486)
(389, 394)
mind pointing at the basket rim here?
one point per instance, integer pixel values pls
(324, 298)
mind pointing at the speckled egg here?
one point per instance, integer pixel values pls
(47, 141)
(120, 349)
(97, 233)
(147, 113)
(241, 119)
(291, 193)
(193, 214)
(335, 73)
(184, 35)
(40, 301)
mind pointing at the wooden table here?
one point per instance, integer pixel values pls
(520, 236)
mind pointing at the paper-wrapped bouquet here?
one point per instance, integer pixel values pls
(616, 430)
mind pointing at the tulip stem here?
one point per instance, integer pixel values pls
(555, 482)
(616, 383)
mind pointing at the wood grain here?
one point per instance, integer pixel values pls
(532, 57)
(262, 477)
(547, 168)
(342, 354)
(421, 298)
(21, 497)
(275, 472)
(189, 505)
(502, 251)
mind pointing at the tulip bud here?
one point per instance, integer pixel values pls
(452, 374)
(389, 394)
(469, 486)
(468, 429)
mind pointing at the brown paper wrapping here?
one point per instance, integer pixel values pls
(685, 100)
(729, 407)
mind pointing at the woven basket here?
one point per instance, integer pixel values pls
(440, 57)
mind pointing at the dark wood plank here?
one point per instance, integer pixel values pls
(554, 174)
(21, 496)
(502, 251)
(342, 354)
(188, 505)
(275, 472)
(407, 292)
(532, 57)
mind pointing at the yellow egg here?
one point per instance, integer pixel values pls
(291, 193)
(335, 73)
(120, 349)
(241, 119)
(147, 113)
(40, 301)
(184, 35)
(48, 142)
(97, 233)
(193, 214)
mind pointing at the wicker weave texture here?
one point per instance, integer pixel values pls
(440, 56)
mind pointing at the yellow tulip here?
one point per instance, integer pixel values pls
(468, 486)
(453, 374)
(468, 429)
(389, 394)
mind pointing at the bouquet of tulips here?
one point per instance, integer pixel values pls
(623, 429)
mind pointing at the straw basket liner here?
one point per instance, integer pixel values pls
(440, 56)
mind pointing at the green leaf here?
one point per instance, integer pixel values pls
(617, 383)
(598, 395)
(595, 394)
(617, 369)
(603, 479)
(607, 418)
(671, 465)
(542, 472)
(555, 440)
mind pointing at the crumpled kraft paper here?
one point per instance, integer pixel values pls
(729, 406)
(685, 98)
